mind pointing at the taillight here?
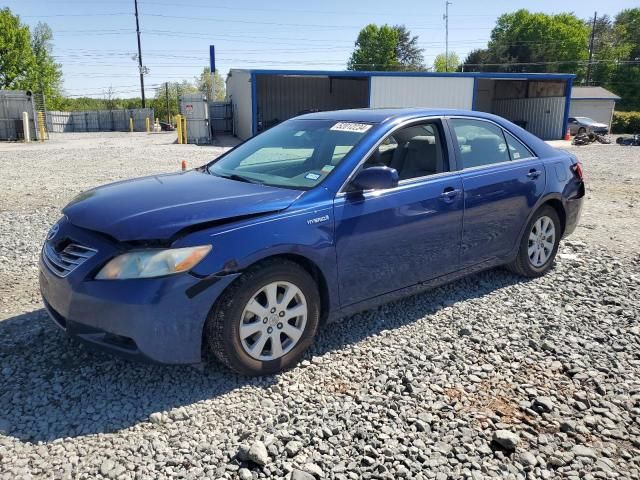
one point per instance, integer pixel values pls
(577, 170)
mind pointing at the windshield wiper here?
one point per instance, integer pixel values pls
(235, 176)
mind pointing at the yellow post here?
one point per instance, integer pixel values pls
(41, 125)
(148, 124)
(184, 130)
(131, 124)
(179, 127)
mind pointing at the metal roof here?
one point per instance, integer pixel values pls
(592, 93)
(381, 115)
(357, 73)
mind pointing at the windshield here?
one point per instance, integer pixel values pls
(295, 154)
(586, 119)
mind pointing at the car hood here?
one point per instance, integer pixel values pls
(160, 206)
(596, 124)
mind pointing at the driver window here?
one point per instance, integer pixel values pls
(415, 151)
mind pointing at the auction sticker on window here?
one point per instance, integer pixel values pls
(351, 127)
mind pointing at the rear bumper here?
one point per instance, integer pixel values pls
(161, 319)
(573, 209)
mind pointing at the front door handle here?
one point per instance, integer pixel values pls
(533, 173)
(449, 193)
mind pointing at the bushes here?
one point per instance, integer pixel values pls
(626, 122)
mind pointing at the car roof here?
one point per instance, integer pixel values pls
(382, 115)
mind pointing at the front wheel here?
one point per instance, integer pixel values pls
(266, 320)
(539, 244)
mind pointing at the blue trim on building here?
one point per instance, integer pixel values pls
(567, 106)
(473, 94)
(347, 73)
(254, 105)
(369, 103)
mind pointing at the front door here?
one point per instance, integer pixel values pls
(395, 238)
(502, 182)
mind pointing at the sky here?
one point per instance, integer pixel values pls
(95, 41)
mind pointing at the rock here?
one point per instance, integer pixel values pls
(292, 447)
(582, 451)
(506, 439)
(465, 331)
(258, 453)
(313, 469)
(106, 466)
(155, 417)
(543, 404)
(301, 475)
(245, 474)
(528, 459)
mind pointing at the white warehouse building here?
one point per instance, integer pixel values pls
(263, 98)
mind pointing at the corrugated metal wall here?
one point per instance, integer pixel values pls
(544, 116)
(221, 117)
(599, 110)
(284, 97)
(426, 92)
(99, 120)
(239, 94)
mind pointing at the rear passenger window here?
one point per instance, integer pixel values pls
(415, 151)
(481, 143)
(517, 150)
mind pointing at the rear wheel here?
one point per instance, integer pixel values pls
(266, 320)
(539, 244)
(582, 130)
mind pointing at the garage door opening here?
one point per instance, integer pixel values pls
(538, 106)
(280, 97)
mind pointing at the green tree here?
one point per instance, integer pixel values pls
(441, 64)
(159, 102)
(408, 53)
(626, 78)
(16, 55)
(523, 41)
(375, 49)
(386, 48)
(46, 75)
(476, 60)
(212, 86)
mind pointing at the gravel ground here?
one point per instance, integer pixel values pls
(491, 376)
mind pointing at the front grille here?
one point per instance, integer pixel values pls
(66, 261)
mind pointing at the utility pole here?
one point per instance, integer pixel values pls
(166, 93)
(446, 35)
(140, 67)
(593, 32)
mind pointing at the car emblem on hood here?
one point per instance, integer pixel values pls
(53, 232)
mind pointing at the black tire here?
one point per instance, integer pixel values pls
(222, 327)
(582, 130)
(522, 265)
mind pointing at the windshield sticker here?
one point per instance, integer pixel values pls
(351, 127)
(327, 168)
(312, 176)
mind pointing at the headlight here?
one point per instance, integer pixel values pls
(153, 263)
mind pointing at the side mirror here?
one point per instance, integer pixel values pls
(375, 178)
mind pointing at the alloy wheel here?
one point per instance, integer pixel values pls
(542, 239)
(273, 321)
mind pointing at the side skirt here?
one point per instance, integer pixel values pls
(413, 290)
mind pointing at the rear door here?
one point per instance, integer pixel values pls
(502, 181)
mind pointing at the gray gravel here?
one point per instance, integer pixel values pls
(492, 376)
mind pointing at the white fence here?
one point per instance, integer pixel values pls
(99, 120)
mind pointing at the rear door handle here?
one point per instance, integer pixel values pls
(533, 173)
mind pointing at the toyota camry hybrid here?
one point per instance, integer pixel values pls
(319, 217)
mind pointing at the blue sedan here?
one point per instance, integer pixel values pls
(319, 217)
